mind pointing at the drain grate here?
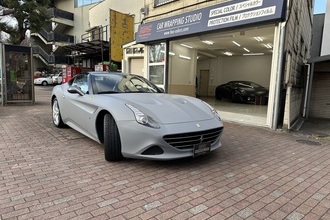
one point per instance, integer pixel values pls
(308, 142)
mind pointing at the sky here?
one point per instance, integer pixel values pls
(320, 6)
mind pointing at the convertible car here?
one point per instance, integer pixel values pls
(242, 91)
(133, 118)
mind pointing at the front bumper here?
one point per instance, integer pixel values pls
(137, 139)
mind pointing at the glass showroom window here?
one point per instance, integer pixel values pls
(162, 2)
(79, 3)
(157, 64)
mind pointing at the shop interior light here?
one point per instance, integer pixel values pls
(236, 43)
(208, 42)
(268, 46)
(259, 39)
(170, 53)
(207, 54)
(185, 45)
(253, 54)
(228, 54)
(185, 57)
(246, 50)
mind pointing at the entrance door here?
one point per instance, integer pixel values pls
(19, 77)
(136, 66)
(204, 82)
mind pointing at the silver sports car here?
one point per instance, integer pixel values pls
(133, 118)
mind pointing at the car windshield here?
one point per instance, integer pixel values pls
(249, 84)
(113, 83)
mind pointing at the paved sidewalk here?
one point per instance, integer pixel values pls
(50, 173)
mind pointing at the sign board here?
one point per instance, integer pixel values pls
(216, 17)
(121, 32)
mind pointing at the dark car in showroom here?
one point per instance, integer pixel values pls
(243, 92)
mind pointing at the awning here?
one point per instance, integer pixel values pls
(89, 47)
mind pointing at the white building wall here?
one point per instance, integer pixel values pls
(81, 17)
(99, 14)
(297, 51)
(325, 48)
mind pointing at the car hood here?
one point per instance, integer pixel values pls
(167, 108)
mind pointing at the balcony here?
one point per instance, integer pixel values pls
(61, 16)
(56, 37)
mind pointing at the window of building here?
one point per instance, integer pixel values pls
(162, 2)
(156, 64)
(79, 3)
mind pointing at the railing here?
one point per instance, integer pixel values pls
(56, 37)
(49, 58)
(58, 13)
(98, 33)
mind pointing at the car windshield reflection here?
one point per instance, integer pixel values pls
(108, 84)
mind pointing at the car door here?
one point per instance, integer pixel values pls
(80, 108)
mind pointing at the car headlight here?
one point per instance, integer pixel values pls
(214, 112)
(142, 118)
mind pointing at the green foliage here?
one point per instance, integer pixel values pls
(30, 15)
(113, 66)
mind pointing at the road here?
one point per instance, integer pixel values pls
(258, 173)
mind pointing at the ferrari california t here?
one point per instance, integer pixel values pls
(242, 91)
(133, 118)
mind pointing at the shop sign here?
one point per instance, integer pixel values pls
(225, 15)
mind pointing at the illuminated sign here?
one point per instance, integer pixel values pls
(225, 15)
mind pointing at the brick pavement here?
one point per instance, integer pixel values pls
(47, 173)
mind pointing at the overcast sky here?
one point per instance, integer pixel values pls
(320, 6)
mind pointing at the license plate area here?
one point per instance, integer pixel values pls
(201, 149)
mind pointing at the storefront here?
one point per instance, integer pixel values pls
(192, 53)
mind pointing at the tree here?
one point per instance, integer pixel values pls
(29, 15)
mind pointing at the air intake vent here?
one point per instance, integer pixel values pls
(188, 140)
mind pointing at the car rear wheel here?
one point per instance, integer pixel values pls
(112, 144)
(44, 83)
(57, 119)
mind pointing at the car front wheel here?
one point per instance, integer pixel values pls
(57, 119)
(112, 144)
(44, 83)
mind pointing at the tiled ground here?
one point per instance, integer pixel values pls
(257, 174)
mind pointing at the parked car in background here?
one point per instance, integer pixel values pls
(47, 80)
(242, 91)
(133, 118)
(57, 79)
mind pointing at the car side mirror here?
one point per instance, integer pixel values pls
(75, 90)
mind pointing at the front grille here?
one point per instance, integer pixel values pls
(188, 140)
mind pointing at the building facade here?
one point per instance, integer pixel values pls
(318, 99)
(193, 46)
(80, 32)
